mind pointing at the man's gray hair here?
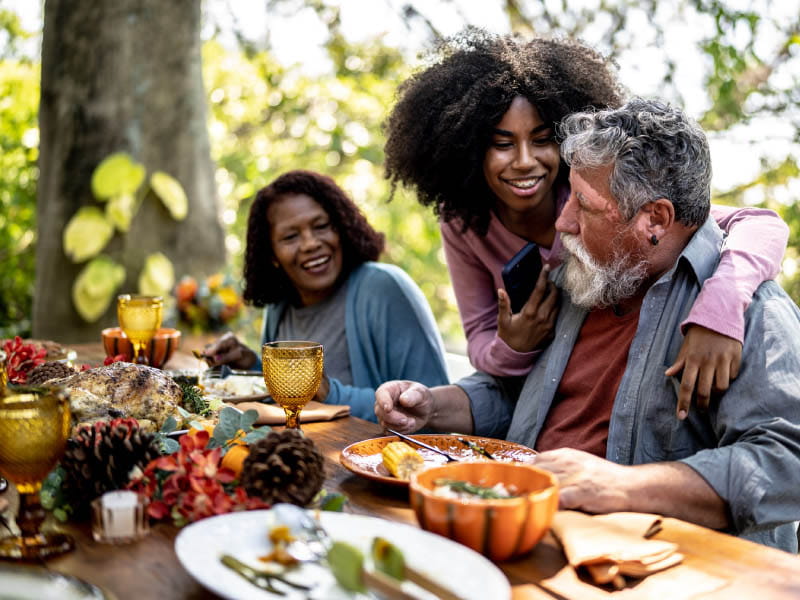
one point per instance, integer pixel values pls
(656, 152)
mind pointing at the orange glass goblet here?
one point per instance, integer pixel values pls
(293, 373)
(34, 427)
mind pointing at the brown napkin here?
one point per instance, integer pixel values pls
(611, 546)
(270, 414)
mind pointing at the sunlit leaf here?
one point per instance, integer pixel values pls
(117, 175)
(120, 210)
(86, 234)
(171, 193)
(95, 286)
(157, 277)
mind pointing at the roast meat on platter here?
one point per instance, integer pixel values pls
(122, 390)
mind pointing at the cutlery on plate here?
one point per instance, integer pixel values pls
(475, 447)
(408, 438)
(260, 579)
(312, 543)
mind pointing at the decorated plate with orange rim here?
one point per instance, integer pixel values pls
(364, 458)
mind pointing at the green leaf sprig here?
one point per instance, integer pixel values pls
(480, 491)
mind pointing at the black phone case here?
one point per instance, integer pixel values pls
(520, 275)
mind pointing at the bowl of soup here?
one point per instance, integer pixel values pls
(500, 509)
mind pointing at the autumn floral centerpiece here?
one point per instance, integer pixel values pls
(208, 304)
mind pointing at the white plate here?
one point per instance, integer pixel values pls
(244, 535)
(28, 582)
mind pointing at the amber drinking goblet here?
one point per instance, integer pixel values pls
(34, 427)
(139, 318)
(292, 372)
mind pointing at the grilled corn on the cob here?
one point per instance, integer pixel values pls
(401, 459)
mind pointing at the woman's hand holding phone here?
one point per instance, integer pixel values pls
(532, 327)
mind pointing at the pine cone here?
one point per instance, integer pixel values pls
(284, 467)
(49, 370)
(100, 458)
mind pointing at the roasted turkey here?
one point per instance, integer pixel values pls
(122, 390)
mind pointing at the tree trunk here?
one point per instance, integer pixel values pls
(121, 75)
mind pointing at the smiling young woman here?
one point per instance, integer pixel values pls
(310, 262)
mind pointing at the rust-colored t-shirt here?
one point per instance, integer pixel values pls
(581, 410)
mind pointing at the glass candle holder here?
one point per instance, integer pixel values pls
(119, 517)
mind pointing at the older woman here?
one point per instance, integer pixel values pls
(310, 262)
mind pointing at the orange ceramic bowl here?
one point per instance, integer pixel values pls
(498, 529)
(158, 351)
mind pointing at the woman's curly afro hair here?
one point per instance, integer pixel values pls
(264, 282)
(440, 128)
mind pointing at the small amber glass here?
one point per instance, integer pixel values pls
(34, 426)
(139, 317)
(293, 373)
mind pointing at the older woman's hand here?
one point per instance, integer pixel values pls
(228, 350)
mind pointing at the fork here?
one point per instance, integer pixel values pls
(408, 438)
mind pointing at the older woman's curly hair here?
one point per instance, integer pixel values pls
(264, 282)
(441, 126)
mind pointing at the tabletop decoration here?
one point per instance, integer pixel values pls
(209, 304)
(99, 458)
(191, 484)
(21, 358)
(285, 466)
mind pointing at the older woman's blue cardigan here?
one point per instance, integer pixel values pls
(391, 334)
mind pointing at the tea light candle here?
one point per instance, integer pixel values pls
(119, 512)
(119, 517)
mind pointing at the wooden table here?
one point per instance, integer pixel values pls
(150, 569)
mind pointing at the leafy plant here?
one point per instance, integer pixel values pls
(117, 182)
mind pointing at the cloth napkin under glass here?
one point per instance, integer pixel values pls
(615, 545)
(270, 414)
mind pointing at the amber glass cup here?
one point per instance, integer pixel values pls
(139, 317)
(292, 372)
(34, 427)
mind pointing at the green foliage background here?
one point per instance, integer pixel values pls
(265, 118)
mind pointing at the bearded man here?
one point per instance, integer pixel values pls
(597, 404)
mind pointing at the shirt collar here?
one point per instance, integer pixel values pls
(702, 252)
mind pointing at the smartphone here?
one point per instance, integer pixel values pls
(520, 275)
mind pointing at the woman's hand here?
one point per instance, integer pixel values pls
(709, 361)
(228, 350)
(533, 326)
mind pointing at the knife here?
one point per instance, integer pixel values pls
(408, 438)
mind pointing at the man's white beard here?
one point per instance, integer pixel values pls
(592, 285)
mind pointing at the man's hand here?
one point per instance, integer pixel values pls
(228, 350)
(532, 326)
(709, 360)
(586, 482)
(405, 406)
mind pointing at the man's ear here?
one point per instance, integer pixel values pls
(655, 219)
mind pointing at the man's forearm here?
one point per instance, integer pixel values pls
(451, 410)
(675, 490)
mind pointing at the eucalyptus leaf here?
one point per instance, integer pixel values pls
(171, 193)
(95, 286)
(158, 276)
(86, 234)
(254, 436)
(229, 419)
(170, 425)
(169, 445)
(247, 418)
(116, 175)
